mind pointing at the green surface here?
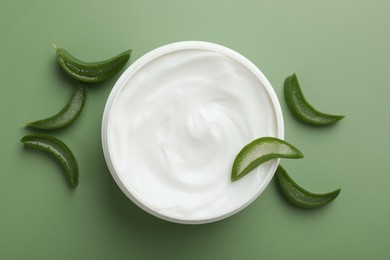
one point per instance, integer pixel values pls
(339, 49)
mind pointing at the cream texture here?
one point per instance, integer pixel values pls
(175, 126)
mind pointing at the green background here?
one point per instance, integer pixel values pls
(340, 52)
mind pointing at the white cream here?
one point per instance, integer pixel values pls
(174, 123)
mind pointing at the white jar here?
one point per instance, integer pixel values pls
(173, 124)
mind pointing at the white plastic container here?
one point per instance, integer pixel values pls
(173, 124)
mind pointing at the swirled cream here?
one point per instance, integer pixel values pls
(174, 123)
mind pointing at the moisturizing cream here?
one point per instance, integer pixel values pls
(175, 121)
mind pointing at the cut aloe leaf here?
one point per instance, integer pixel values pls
(301, 109)
(67, 115)
(299, 196)
(259, 151)
(90, 71)
(58, 150)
